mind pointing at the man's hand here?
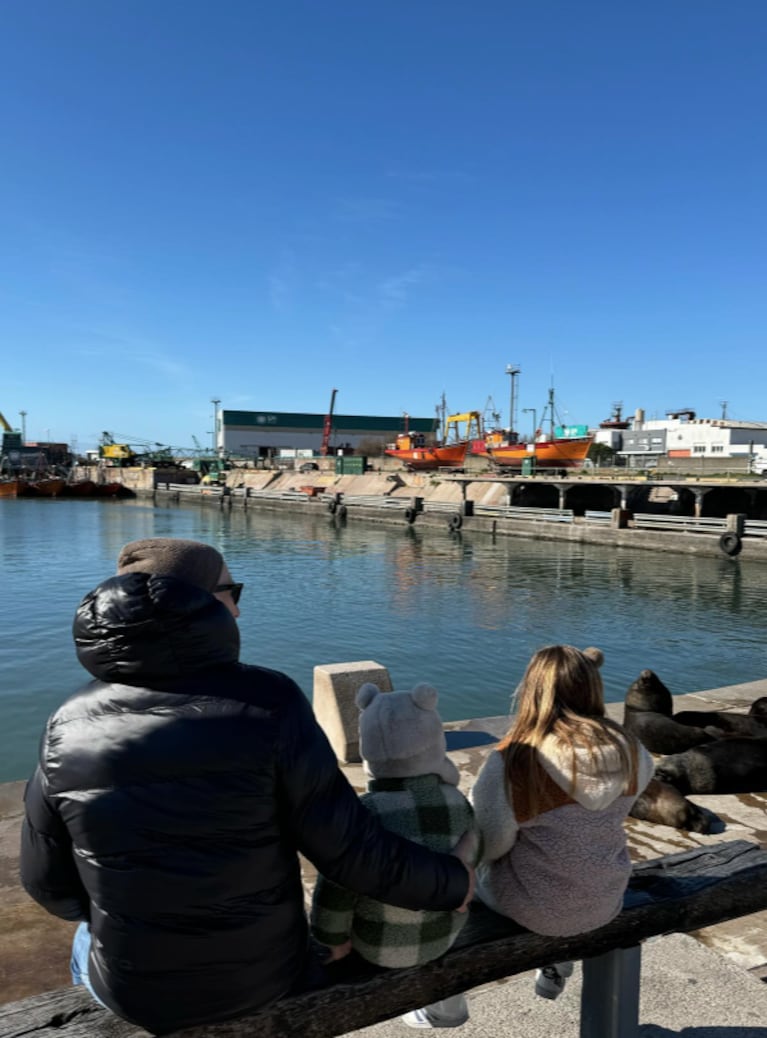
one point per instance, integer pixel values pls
(466, 852)
(470, 892)
(338, 951)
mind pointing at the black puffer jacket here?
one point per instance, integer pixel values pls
(172, 795)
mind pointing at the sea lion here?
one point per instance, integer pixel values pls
(733, 764)
(752, 723)
(663, 803)
(648, 711)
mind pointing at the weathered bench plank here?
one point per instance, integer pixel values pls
(676, 894)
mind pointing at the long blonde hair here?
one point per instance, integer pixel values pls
(561, 695)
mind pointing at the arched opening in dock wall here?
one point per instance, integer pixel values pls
(591, 497)
(535, 495)
(721, 501)
(661, 499)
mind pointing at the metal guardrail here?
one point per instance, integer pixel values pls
(755, 528)
(601, 518)
(193, 489)
(278, 495)
(556, 515)
(446, 507)
(684, 523)
(370, 500)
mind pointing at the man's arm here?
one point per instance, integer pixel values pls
(48, 871)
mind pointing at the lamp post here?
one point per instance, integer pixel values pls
(513, 371)
(215, 401)
(23, 427)
(531, 410)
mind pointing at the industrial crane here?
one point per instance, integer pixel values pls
(328, 426)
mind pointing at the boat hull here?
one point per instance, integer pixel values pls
(80, 488)
(548, 454)
(9, 488)
(41, 487)
(427, 458)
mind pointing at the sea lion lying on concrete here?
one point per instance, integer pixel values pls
(752, 723)
(648, 711)
(663, 803)
(733, 764)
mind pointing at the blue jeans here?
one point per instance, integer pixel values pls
(81, 946)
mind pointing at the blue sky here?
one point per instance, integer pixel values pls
(260, 202)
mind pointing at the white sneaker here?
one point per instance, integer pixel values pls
(451, 1012)
(550, 981)
(417, 1018)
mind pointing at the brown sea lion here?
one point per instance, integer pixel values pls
(752, 723)
(733, 764)
(664, 804)
(648, 711)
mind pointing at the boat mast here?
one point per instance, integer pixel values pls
(551, 412)
(442, 417)
(513, 371)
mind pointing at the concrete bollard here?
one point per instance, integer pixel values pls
(736, 522)
(335, 688)
(619, 518)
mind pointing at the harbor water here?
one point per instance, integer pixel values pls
(461, 611)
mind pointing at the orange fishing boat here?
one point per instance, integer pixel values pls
(555, 450)
(415, 453)
(557, 453)
(9, 487)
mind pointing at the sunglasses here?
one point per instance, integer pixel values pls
(235, 590)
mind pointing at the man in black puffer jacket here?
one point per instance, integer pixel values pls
(173, 794)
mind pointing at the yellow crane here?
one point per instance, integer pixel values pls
(5, 426)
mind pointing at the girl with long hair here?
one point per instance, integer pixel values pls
(551, 800)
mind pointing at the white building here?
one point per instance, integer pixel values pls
(682, 435)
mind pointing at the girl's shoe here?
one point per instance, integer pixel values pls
(550, 981)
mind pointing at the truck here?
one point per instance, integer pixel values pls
(759, 461)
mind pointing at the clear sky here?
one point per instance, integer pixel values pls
(261, 201)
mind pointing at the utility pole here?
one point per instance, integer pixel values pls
(23, 427)
(215, 401)
(513, 371)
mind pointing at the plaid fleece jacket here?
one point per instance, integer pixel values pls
(430, 812)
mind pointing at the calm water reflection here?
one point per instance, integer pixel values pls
(464, 612)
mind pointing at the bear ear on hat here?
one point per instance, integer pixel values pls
(366, 694)
(596, 656)
(424, 696)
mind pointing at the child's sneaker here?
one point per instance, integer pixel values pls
(451, 1012)
(550, 981)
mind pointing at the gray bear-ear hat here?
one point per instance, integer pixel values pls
(401, 734)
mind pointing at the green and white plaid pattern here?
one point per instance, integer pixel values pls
(429, 812)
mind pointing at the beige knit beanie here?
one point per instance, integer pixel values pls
(191, 561)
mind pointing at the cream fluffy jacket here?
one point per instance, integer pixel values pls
(565, 870)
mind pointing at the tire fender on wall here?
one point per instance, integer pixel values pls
(731, 543)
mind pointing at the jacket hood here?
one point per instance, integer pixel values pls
(599, 779)
(143, 629)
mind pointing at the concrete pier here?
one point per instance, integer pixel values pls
(706, 986)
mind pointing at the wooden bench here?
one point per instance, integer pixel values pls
(678, 893)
